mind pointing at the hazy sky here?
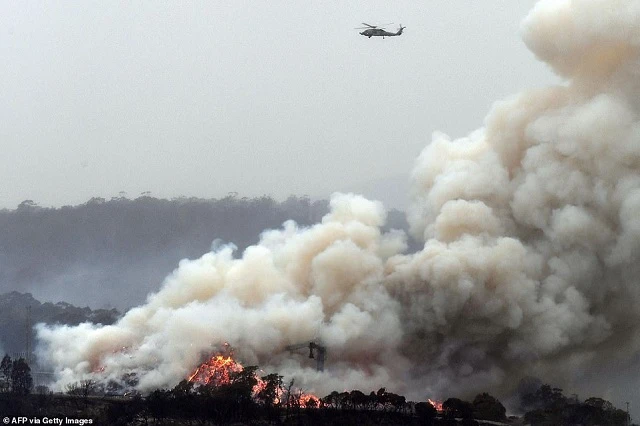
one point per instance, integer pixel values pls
(204, 98)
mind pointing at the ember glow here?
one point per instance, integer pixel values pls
(308, 401)
(217, 371)
(436, 404)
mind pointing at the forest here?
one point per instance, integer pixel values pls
(249, 398)
(110, 254)
(88, 254)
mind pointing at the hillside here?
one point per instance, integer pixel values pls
(13, 317)
(112, 253)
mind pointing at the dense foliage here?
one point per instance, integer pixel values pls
(15, 376)
(548, 406)
(240, 401)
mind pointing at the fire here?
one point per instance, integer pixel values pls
(436, 404)
(307, 400)
(217, 371)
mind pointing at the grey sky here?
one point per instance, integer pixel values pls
(204, 98)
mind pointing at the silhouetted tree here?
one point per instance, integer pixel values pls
(83, 388)
(270, 395)
(21, 380)
(73, 389)
(237, 395)
(553, 408)
(358, 399)
(548, 406)
(426, 413)
(486, 407)
(5, 374)
(28, 205)
(273, 388)
(398, 402)
(87, 387)
(599, 404)
(596, 411)
(243, 382)
(331, 400)
(454, 407)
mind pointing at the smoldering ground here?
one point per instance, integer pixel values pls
(529, 265)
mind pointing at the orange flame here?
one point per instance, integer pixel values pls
(307, 400)
(436, 404)
(219, 369)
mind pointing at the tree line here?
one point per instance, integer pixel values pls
(104, 246)
(242, 401)
(548, 406)
(15, 376)
(113, 253)
(15, 307)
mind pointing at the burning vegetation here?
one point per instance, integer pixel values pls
(222, 370)
(218, 370)
(222, 391)
(436, 404)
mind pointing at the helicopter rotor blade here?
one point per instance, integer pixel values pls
(372, 27)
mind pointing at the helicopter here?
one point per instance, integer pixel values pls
(378, 31)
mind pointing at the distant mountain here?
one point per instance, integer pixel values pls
(14, 308)
(113, 253)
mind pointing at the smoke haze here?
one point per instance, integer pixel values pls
(529, 265)
(126, 246)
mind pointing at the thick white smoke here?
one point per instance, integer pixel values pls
(530, 263)
(324, 283)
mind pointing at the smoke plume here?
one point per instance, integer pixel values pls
(530, 262)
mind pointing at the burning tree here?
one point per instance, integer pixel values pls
(436, 404)
(217, 371)
(222, 371)
(271, 389)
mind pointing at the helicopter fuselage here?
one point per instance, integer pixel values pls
(377, 32)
